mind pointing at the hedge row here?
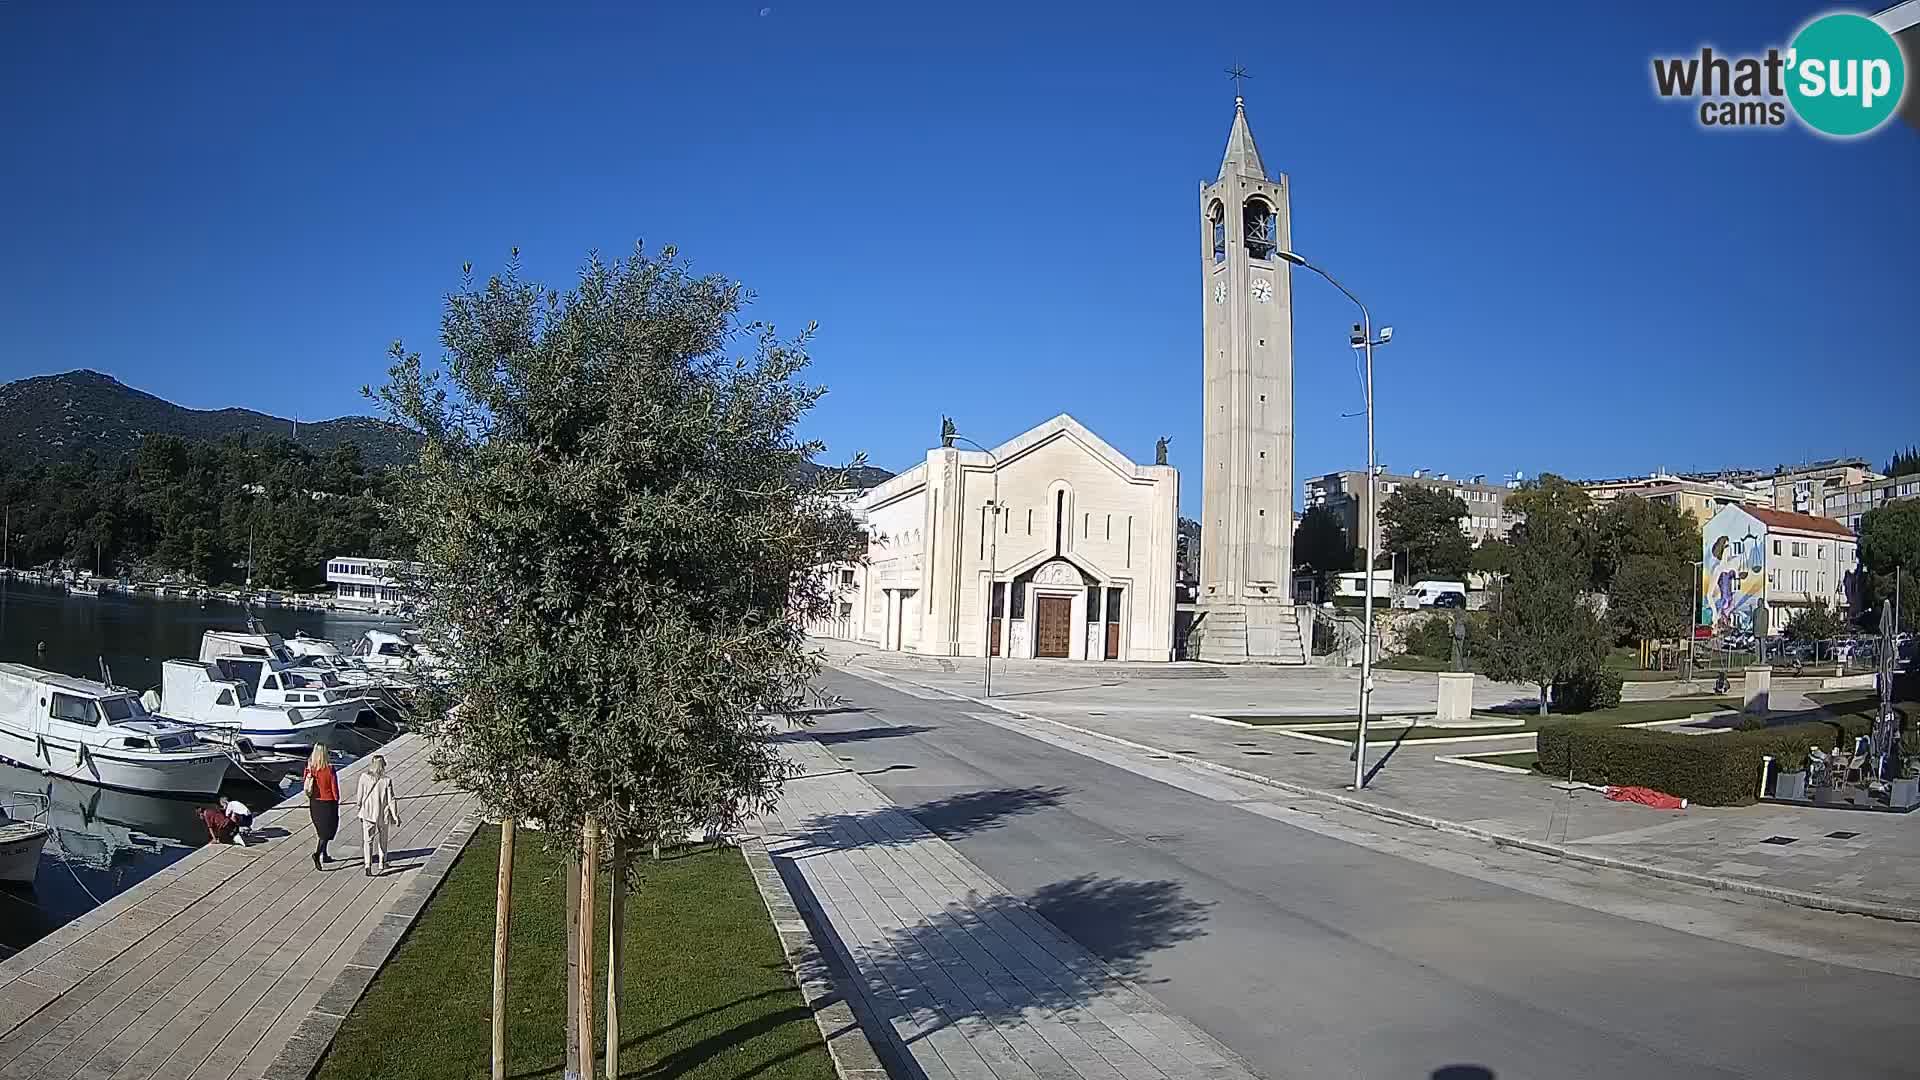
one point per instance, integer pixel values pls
(1712, 770)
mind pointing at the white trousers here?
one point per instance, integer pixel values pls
(373, 843)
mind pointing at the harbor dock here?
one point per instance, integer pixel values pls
(236, 963)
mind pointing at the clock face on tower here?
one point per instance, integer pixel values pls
(1262, 290)
(1220, 292)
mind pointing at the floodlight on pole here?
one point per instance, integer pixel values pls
(1362, 338)
(948, 436)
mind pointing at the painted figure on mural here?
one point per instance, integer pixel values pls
(1730, 593)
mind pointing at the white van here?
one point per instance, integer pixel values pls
(1430, 594)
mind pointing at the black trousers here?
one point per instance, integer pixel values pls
(326, 822)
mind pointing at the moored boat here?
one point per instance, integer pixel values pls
(198, 694)
(20, 842)
(99, 734)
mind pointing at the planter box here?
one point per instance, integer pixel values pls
(1790, 785)
(1903, 793)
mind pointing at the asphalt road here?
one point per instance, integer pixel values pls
(1312, 957)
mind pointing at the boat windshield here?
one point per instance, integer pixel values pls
(308, 680)
(120, 709)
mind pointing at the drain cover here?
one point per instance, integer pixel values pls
(1782, 840)
(1842, 835)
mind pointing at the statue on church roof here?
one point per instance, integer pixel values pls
(947, 431)
(1160, 450)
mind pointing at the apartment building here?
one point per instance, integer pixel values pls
(1345, 493)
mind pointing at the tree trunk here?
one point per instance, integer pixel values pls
(573, 967)
(616, 954)
(1543, 699)
(589, 886)
(502, 913)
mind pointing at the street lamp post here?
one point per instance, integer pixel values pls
(1362, 339)
(993, 551)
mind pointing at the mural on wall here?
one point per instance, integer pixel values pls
(1733, 576)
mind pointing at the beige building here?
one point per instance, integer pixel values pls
(1064, 540)
(1700, 498)
(1345, 494)
(1847, 504)
(1803, 489)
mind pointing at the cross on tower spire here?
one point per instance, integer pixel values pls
(1238, 73)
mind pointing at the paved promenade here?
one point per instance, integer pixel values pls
(953, 976)
(235, 963)
(1876, 864)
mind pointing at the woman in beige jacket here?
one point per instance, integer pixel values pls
(377, 810)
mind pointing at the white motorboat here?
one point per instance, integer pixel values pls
(198, 694)
(20, 842)
(100, 734)
(276, 678)
(400, 654)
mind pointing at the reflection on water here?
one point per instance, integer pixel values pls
(135, 634)
(106, 841)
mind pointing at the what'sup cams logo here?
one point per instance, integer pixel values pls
(1843, 76)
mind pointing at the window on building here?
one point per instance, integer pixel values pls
(846, 610)
(1776, 547)
(1819, 553)
(846, 578)
(1093, 603)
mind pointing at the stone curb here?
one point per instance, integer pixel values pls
(1816, 901)
(302, 1054)
(853, 1056)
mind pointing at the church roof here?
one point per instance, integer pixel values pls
(1242, 155)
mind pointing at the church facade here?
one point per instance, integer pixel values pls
(1051, 545)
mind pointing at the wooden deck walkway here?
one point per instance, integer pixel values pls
(234, 963)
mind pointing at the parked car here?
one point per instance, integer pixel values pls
(1450, 600)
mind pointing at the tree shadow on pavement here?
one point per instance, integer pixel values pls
(949, 818)
(892, 731)
(1003, 957)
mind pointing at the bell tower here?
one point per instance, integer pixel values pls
(1246, 527)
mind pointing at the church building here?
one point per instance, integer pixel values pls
(1065, 540)
(1055, 544)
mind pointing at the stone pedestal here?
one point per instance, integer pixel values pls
(1758, 686)
(1456, 698)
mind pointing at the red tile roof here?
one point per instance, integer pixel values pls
(1787, 519)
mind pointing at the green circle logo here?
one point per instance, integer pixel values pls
(1845, 75)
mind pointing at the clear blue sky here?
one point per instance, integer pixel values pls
(990, 209)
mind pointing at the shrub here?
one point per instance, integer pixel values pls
(1596, 688)
(1712, 770)
(1432, 638)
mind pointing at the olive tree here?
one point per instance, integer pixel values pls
(617, 539)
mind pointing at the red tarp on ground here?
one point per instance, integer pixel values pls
(1646, 796)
